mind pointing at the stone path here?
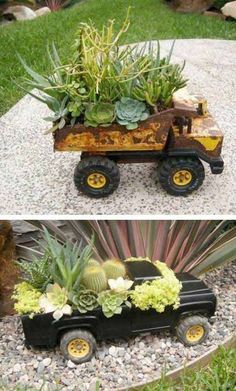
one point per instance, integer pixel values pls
(34, 180)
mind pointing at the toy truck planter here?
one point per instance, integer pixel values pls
(180, 138)
(77, 334)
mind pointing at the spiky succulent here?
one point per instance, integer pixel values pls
(99, 114)
(111, 302)
(85, 300)
(37, 272)
(130, 111)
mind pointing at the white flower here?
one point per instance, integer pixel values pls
(120, 284)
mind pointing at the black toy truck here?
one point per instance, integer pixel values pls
(77, 334)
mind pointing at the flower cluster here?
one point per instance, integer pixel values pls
(26, 299)
(159, 293)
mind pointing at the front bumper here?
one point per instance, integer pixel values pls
(217, 166)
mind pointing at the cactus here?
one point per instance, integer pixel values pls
(94, 278)
(93, 262)
(114, 269)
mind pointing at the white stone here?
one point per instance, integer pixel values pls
(17, 368)
(42, 11)
(113, 351)
(70, 364)
(47, 361)
(229, 9)
(19, 12)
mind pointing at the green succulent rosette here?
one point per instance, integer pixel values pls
(85, 300)
(99, 114)
(130, 111)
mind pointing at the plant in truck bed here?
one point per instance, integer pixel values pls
(67, 278)
(104, 83)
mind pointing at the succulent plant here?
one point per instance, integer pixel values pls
(111, 302)
(55, 300)
(68, 261)
(85, 300)
(114, 268)
(26, 299)
(99, 114)
(37, 272)
(130, 111)
(94, 278)
(93, 262)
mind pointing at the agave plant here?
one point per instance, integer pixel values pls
(192, 245)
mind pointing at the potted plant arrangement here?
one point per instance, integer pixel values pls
(69, 297)
(117, 104)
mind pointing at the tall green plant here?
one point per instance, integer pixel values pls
(192, 245)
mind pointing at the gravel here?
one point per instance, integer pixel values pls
(29, 166)
(119, 363)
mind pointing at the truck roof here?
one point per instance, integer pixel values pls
(141, 271)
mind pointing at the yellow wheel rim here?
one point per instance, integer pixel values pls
(182, 177)
(78, 347)
(96, 180)
(195, 333)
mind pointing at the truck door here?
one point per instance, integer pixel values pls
(117, 326)
(150, 320)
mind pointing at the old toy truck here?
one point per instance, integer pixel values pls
(179, 138)
(77, 334)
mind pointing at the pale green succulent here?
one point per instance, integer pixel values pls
(85, 300)
(99, 114)
(55, 300)
(130, 111)
(111, 302)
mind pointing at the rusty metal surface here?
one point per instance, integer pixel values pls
(205, 137)
(150, 135)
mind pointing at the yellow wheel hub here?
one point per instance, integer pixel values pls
(78, 347)
(195, 333)
(182, 177)
(96, 180)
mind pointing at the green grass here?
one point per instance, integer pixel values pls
(218, 376)
(151, 19)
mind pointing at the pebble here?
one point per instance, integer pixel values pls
(118, 363)
(70, 364)
(47, 361)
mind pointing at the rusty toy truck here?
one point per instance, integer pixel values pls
(179, 138)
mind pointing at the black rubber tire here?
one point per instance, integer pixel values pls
(170, 166)
(99, 164)
(185, 323)
(74, 334)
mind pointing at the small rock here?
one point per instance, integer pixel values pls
(47, 361)
(70, 364)
(18, 12)
(42, 11)
(113, 351)
(229, 9)
(40, 368)
(17, 368)
(65, 381)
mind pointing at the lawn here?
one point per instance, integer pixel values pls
(218, 376)
(151, 19)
